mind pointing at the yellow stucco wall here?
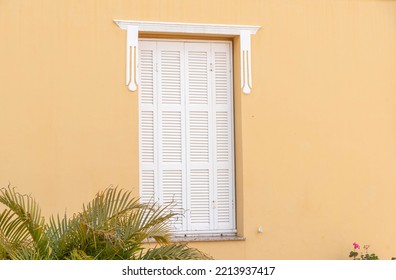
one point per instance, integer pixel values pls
(316, 139)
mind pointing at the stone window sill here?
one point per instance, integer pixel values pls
(208, 238)
(202, 239)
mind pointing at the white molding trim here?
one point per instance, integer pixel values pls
(134, 27)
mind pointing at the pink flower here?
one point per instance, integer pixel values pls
(356, 246)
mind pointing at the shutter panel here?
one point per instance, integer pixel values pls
(147, 122)
(199, 147)
(171, 129)
(223, 134)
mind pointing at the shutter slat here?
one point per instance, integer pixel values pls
(172, 184)
(200, 210)
(197, 74)
(199, 136)
(222, 136)
(171, 137)
(147, 186)
(147, 136)
(170, 76)
(223, 196)
(221, 77)
(146, 90)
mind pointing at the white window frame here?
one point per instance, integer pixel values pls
(241, 32)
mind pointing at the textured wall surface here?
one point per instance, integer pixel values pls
(316, 138)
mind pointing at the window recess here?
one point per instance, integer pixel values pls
(186, 132)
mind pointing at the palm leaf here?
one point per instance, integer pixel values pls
(22, 224)
(109, 204)
(176, 251)
(150, 221)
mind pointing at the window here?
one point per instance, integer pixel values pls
(186, 149)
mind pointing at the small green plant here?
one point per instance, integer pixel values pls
(362, 256)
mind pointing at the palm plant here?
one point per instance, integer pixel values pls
(114, 225)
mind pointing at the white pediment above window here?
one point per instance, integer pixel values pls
(134, 27)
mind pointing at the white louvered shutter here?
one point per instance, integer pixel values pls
(224, 211)
(199, 148)
(171, 129)
(147, 123)
(186, 132)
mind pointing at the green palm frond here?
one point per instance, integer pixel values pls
(11, 228)
(79, 255)
(150, 221)
(22, 224)
(58, 227)
(175, 251)
(13, 234)
(109, 204)
(61, 234)
(99, 225)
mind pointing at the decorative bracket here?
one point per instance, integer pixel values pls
(132, 57)
(246, 62)
(134, 27)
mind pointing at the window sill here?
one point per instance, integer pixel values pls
(177, 239)
(207, 238)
